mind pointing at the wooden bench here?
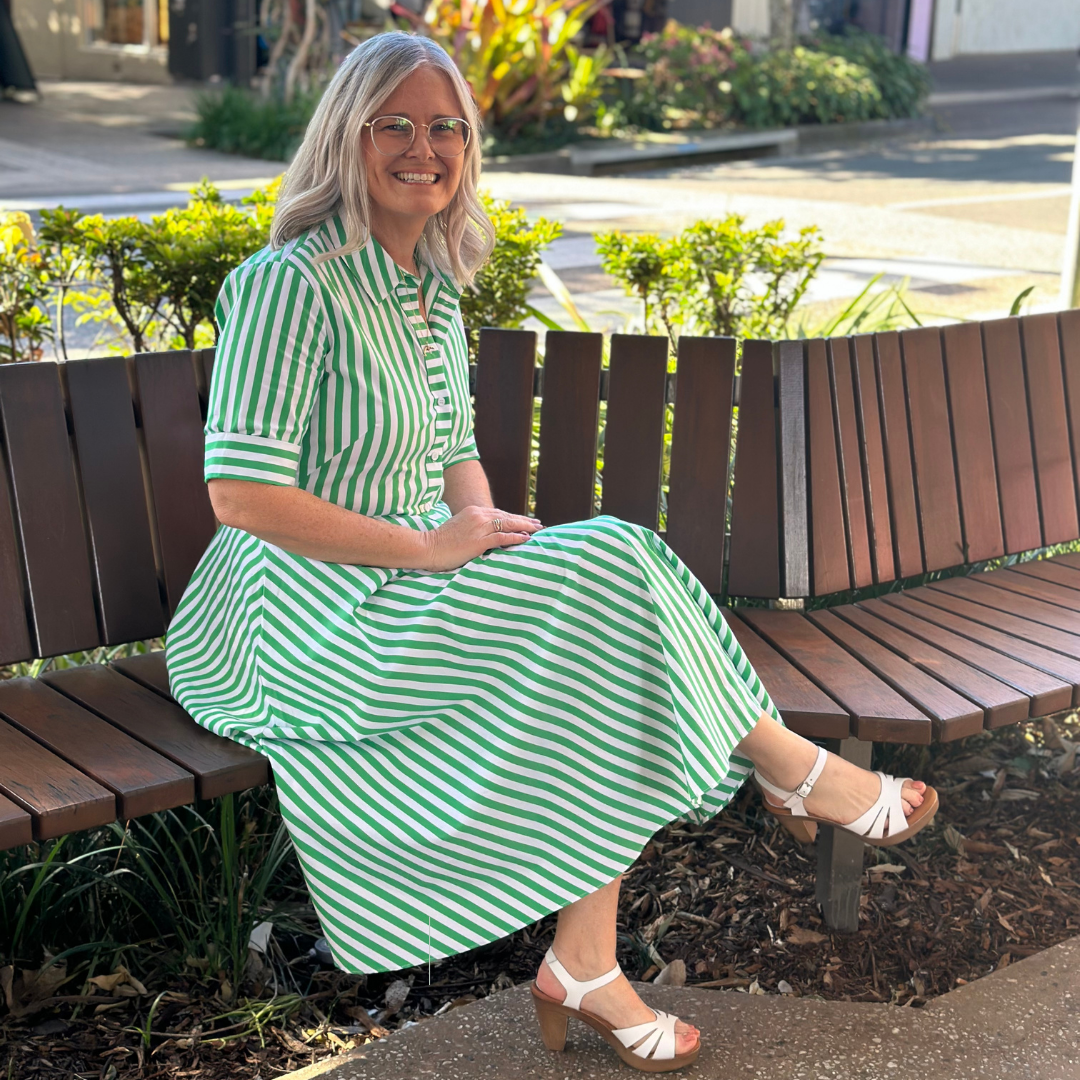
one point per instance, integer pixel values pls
(857, 463)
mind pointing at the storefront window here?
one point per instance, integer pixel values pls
(128, 22)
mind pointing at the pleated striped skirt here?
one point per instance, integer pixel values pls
(459, 754)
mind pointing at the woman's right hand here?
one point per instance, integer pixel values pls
(470, 533)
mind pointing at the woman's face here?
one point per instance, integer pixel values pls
(417, 182)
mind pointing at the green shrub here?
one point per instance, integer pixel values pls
(903, 84)
(803, 86)
(24, 321)
(499, 294)
(715, 277)
(236, 121)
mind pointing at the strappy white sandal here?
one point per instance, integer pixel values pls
(649, 1047)
(883, 825)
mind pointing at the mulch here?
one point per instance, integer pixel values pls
(994, 879)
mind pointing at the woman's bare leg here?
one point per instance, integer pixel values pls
(585, 945)
(844, 791)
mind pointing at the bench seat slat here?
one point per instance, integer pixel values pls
(878, 712)
(1047, 694)
(219, 765)
(1060, 641)
(1012, 645)
(1003, 704)
(1027, 585)
(804, 707)
(905, 670)
(1048, 570)
(148, 669)
(142, 781)
(974, 588)
(60, 798)
(16, 825)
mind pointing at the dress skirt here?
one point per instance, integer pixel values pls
(459, 754)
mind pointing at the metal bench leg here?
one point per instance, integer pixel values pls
(840, 855)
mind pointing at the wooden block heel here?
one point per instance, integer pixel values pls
(804, 831)
(553, 1024)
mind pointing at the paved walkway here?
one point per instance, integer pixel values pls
(1018, 1024)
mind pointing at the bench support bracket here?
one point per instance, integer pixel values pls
(840, 855)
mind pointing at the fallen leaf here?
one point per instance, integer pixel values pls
(984, 901)
(784, 987)
(797, 935)
(674, 974)
(396, 993)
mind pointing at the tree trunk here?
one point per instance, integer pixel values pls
(782, 22)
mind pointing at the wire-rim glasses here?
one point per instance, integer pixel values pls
(391, 135)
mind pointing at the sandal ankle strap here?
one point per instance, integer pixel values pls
(575, 988)
(793, 800)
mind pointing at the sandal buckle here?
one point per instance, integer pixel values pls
(804, 789)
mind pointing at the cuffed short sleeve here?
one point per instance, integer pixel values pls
(268, 368)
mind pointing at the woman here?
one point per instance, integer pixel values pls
(472, 721)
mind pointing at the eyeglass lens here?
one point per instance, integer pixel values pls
(394, 135)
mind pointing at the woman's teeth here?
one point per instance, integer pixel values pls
(416, 178)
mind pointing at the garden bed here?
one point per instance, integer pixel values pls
(996, 878)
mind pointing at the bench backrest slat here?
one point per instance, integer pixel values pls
(896, 443)
(830, 565)
(171, 422)
(701, 456)
(875, 475)
(15, 642)
(1050, 428)
(569, 411)
(504, 407)
(46, 497)
(114, 500)
(969, 405)
(754, 566)
(634, 429)
(850, 461)
(931, 441)
(1069, 328)
(1012, 435)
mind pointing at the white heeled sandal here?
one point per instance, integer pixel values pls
(648, 1047)
(883, 825)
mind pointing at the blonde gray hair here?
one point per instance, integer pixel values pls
(328, 174)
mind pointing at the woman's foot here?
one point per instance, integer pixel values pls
(617, 1002)
(843, 792)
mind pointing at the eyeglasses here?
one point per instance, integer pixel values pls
(449, 135)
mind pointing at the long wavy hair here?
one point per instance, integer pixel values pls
(328, 176)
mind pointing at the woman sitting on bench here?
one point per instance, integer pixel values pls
(473, 721)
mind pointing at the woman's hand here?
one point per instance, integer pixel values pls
(471, 532)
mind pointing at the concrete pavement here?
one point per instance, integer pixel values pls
(1022, 1023)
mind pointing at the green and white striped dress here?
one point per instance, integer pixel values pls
(456, 754)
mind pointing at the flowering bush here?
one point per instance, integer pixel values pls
(24, 319)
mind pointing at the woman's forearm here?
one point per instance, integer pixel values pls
(465, 484)
(304, 524)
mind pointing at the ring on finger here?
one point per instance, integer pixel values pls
(496, 524)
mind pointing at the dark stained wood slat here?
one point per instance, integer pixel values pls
(1012, 434)
(203, 359)
(700, 456)
(142, 780)
(1028, 585)
(504, 400)
(58, 796)
(148, 669)
(16, 825)
(1069, 329)
(878, 712)
(114, 499)
(868, 415)
(803, 706)
(1068, 558)
(829, 563)
(49, 518)
(1049, 570)
(1053, 663)
(904, 666)
(1060, 641)
(634, 429)
(1047, 694)
(850, 459)
(897, 442)
(569, 415)
(168, 402)
(1050, 428)
(754, 562)
(789, 366)
(15, 644)
(976, 589)
(935, 480)
(973, 442)
(219, 765)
